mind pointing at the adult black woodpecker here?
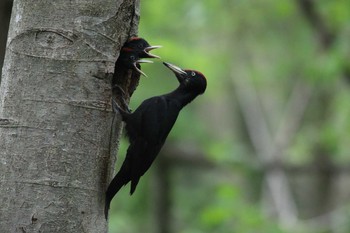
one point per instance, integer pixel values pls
(131, 55)
(149, 125)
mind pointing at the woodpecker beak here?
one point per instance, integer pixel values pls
(149, 48)
(179, 73)
(138, 69)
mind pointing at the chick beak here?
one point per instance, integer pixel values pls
(179, 73)
(149, 48)
(138, 69)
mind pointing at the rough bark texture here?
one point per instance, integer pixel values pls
(57, 146)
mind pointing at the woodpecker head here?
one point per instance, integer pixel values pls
(135, 49)
(140, 47)
(190, 79)
(131, 61)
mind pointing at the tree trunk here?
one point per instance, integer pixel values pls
(5, 12)
(58, 137)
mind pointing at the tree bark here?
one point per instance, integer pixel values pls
(57, 129)
(5, 12)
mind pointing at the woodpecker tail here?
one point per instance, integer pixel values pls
(121, 179)
(133, 185)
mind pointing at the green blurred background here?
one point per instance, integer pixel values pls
(266, 148)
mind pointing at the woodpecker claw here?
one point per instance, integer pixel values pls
(122, 112)
(116, 86)
(115, 105)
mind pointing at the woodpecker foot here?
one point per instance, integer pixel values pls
(117, 88)
(122, 101)
(117, 108)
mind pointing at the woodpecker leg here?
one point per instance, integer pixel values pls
(122, 112)
(116, 87)
(123, 95)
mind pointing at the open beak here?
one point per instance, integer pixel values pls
(149, 55)
(149, 48)
(138, 69)
(179, 73)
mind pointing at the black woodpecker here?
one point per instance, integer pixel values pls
(131, 55)
(133, 51)
(149, 125)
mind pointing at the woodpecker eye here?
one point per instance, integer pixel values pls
(193, 74)
(132, 57)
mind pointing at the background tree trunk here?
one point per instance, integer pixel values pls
(57, 144)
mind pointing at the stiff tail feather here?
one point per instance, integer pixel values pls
(118, 181)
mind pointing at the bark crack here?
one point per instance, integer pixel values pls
(50, 183)
(96, 105)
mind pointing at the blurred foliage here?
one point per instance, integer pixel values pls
(271, 43)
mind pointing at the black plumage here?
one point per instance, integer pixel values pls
(148, 127)
(127, 69)
(132, 54)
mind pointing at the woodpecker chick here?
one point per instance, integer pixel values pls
(131, 55)
(141, 46)
(148, 127)
(133, 51)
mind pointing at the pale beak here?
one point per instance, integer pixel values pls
(179, 73)
(141, 61)
(148, 49)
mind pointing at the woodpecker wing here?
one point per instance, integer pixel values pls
(153, 119)
(147, 128)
